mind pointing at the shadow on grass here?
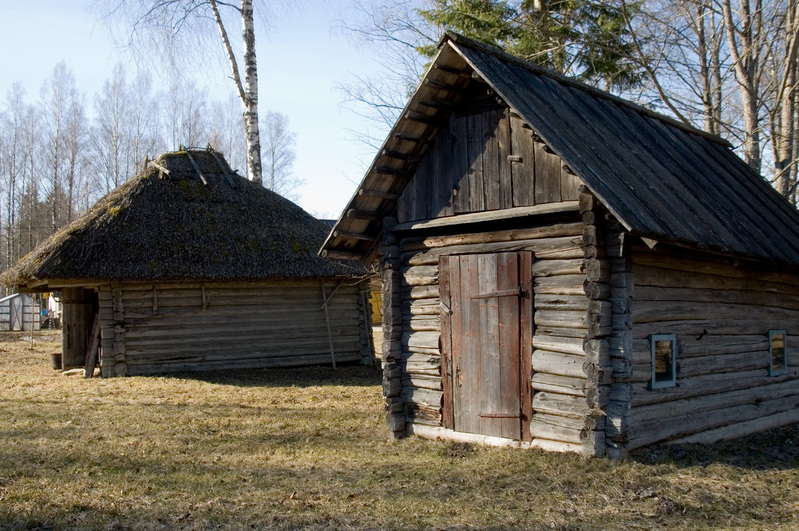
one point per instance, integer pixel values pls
(350, 375)
(776, 449)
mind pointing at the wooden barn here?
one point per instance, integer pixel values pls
(565, 269)
(19, 312)
(189, 266)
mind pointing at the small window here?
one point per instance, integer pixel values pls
(778, 353)
(663, 348)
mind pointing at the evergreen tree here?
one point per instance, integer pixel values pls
(585, 39)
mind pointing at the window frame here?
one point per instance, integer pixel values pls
(672, 382)
(784, 370)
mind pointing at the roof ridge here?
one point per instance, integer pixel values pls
(561, 78)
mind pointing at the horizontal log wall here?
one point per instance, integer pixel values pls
(563, 399)
(159, 328)
(721, 312)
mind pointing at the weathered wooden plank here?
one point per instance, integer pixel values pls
(419, 275)
(567, 285)
(493, 397)
(707, 345)
(545, 268)
(567, 248)
(667, 278)
(704, 385)
(447, 278)
(523, 166)
(503, 137)
(460, 167)
(554, 383)
(546, 301)
(526, 323)
(475, 147)
(776, 299)
(547, 175)
(560, 405)
(561, 319)
(555, 230)
(492, 189)
(754, 324)
(231, 364)
(558, 363)
(644, 434)
(660, 311)
(567, 345)
(742, 429)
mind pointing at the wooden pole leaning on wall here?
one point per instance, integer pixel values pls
(327, 322)
(94, 346)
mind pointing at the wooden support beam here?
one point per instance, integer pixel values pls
(414, 139)
(327, 322)
(494, 215)
(341, 255)
(450, 70)
(423, 118)
(381, 195)
(400, 156)
(437, 104)
(352, 235)
(361, 214)
(432, 83)
(392, 171)
(94, 344)
(196, 167)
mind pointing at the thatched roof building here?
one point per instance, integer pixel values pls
(187, 216)
(188, 222)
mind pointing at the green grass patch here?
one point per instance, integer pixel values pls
(306, 448)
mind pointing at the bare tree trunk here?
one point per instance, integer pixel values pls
(248, 91)
(745, 55)
(699, 25)
(785, 128)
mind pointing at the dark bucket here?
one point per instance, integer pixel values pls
(55, 360)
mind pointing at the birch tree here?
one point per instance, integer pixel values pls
(111, 107)
(278, 154)
(175, 23)
(12, 160)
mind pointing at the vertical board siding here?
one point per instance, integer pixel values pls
(721, 314)
(220, 327)
(554, 347)
(19, 312)
(484, 161)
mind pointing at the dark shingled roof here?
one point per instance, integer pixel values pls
(187, 216)
(662, 179)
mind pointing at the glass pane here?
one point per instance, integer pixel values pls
(777, 353)
(663, 361)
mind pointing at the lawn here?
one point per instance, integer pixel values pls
(306, 448)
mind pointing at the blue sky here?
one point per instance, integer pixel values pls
(299, 64)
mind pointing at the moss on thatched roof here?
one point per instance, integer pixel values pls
(187, 216)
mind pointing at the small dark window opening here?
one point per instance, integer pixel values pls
(663, 348)
(778, 352)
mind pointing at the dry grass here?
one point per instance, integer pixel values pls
(306, 449)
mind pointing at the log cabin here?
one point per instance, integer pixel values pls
(568, 270)
(189, 266)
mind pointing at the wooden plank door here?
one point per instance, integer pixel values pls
(487, 343)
